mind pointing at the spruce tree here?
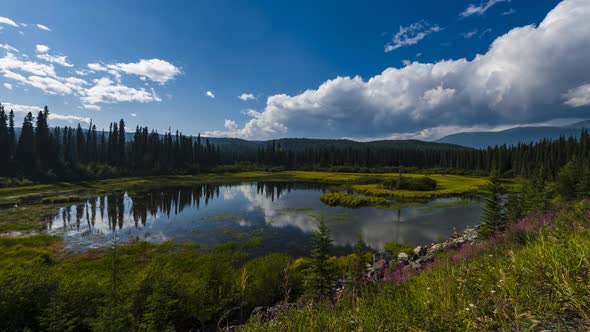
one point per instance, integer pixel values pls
(25, 153)
(320, 280)
(359, 263)
(4, 143)
(493, 218)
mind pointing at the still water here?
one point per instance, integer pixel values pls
(263, 217)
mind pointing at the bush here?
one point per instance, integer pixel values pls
(409, 183)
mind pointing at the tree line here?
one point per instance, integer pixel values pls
(522, 159)
(40, 152)
(66, 153)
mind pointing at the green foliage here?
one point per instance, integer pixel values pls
(342, 199)
(320, 278)
(395, 248)
(266, 273)
(493, 217)
(423, 183)
(542, 284)
(568, 178)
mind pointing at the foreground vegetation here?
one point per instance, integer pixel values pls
(534, 276)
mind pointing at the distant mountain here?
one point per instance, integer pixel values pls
(483, 139)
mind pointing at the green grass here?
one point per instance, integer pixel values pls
(61, 199)
(25, 218)
(534, 281)
(447, 185)
(353, 201)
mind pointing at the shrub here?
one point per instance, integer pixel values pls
(423, 183)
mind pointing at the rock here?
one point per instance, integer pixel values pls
(259, 312)
(415, 265)
(379, 268)
(402, 257)
(420, 251)
(470, 234)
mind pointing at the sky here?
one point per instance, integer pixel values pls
(270, 69)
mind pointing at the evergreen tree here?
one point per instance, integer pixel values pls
(567, 179)
(4, 142)
(359, 262)
(493, 217)
(320, 280)
(514, 208)
(11, 134)
(536, 194)
(25, 153)
(121, 144)
(42, 139)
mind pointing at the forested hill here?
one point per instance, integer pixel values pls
(483, 139)
(302, 144)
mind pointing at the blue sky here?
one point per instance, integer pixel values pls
(277, 50)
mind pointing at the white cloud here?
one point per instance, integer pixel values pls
(104, 91)
(52, 116)
(155, 70)
(411, 35)
(43, 27)
(59, 59)
(481, 8)
(91, 107)
(11, 62)
(68, 118)
(246, 96)
(6, 20)
(7, 86)
(525, 76)
(230, 124)
(42, 48)
(97, 67)
(8, 48)
(133, 114)
(579, 96)
(49, 85)
(209, 94)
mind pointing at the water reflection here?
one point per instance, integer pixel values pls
(284, 214)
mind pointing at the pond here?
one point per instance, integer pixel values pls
(259, 217)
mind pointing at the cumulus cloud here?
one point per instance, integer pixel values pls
(246, 96)
(42, 48)
(579, 96)
(133, 114)
(17, 108)
(209, 94)
(43, 27)
(155, 70)
(522, 78)
(7, 21)
(411, 35)
(230, 124)
(7, 86)
(104, 91)
(481, 8)
(59, 59)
